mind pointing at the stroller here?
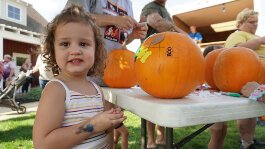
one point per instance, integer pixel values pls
(8, 95)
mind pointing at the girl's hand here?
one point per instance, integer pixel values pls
(249, 88)
(107, 119)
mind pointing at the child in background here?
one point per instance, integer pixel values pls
(72, 112)
(217, 130)
(210, 48)
(26, 66)
(121, 131)
(1, 73)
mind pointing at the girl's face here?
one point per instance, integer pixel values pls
(74, 48)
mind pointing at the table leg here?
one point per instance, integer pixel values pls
(169, 138)
(191, 136)
(143, 134)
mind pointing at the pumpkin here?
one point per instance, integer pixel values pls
(169, 65)
(263, 117)
(209, 64)
(235, 67)
(119, 71)
(261, 79)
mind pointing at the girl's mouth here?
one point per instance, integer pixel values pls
(76, 61)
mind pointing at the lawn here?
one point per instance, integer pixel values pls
(16, 134)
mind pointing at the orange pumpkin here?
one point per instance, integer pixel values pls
(263, 117)
(209, 64)
(169, 65)
(261, 79)
(235, 67)
(119, 71)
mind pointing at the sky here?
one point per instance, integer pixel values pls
(50, 8)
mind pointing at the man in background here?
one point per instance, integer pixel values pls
(194, 35)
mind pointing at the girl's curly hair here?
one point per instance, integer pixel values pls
(74, 13)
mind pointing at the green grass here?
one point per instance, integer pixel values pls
(17, 133)
(199, 142)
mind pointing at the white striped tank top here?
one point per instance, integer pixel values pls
(79, 107)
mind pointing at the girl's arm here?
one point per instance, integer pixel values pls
(47, 130)
(109, 106)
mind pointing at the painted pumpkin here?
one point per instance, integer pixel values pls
(119, 71)
(169, 65)
(209, 64)
(235, 67)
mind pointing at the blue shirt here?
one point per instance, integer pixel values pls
(196, 36)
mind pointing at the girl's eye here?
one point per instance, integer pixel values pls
(83, 44)
(65, 44)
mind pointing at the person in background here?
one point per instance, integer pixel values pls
(1, 73)
(119, 28)
(194, 35)
(158, 20)
(247, 23)
(9, 70)
(45, 73)
(217, 130)
(26, 66)
(72, 112)
(210, 48)
(245, 36)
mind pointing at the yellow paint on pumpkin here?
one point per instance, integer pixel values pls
(123, 63)
(143, 54)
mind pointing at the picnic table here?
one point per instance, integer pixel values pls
(193, 109)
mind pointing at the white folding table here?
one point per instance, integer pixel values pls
(191, 110)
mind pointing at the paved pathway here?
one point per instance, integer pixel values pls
(7, 113)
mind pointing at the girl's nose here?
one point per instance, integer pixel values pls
(75, 50)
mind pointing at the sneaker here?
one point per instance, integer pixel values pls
(260, 122)
(258, 142)
(252, 146)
